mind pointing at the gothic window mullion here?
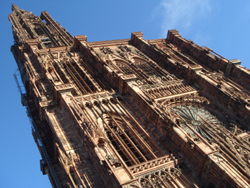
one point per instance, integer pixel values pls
(166, 183)
(145, 183)
(118, 147)
(74, 78)
(147, 69)
(133, 138)
(156, 181)
(149, 148)
(135, 147)
(131, 155)
(173, 176)
(74, 68)
(120, 143)
(125, 143)
(141, 140)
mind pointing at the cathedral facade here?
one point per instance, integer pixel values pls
(132, 112)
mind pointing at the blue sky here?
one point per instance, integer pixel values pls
(221, 25)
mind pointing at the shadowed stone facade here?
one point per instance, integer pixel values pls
(132, 112)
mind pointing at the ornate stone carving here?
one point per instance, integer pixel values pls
(106, 50)
(167, 161)
(128, 113)
(160, 178)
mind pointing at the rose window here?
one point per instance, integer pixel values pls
(203, 120)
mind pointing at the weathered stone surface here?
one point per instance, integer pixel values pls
(132, 113)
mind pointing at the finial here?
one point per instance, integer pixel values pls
(14, 7)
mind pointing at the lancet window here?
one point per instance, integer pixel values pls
(81, 77)
(127, 141)
(39, 30)
(146, 68)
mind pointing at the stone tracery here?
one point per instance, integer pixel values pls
(180, 104)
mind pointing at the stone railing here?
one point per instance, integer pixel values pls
(165, 161)
(63, 87)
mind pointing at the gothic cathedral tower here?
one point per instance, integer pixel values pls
(132, 112)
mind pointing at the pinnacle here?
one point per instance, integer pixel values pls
(13, 7)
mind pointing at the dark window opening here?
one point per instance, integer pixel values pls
(139, 146)
(39, 30)
(61, 74)
(45, 39)
(47, 43)
(125, 68)
(129, 145)
(119, 149)
(147, 69)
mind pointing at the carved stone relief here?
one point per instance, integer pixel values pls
(166, 177)
(123, 51)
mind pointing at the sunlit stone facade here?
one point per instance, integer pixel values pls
(132, 112)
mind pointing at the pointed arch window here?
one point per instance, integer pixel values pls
(129, 143)
(124, 67)
(39, 30)
(146, 68)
